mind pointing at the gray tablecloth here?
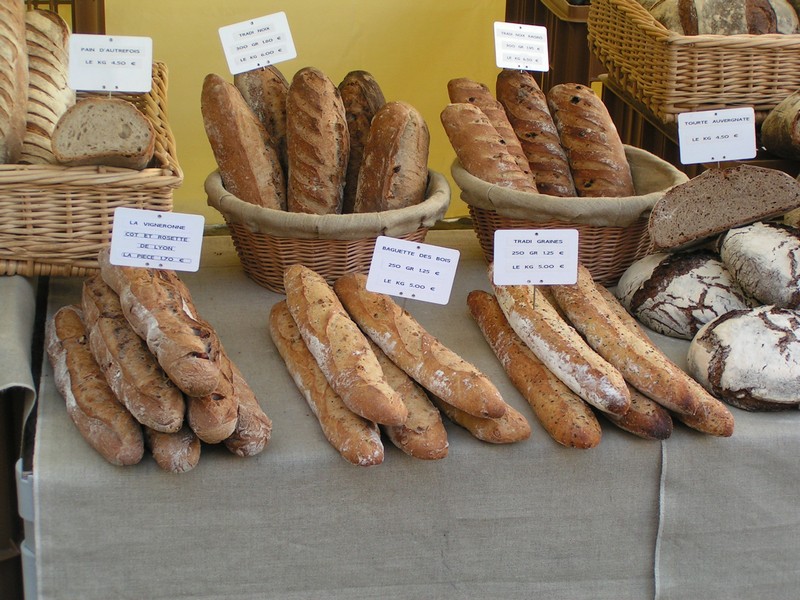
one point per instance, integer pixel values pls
(524, 521)
(17, 315)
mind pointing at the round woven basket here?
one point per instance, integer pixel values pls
(612, 232)
(268, 241)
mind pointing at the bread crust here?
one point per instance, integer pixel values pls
(509, 428)
(253, 427)
(177, 452)
(13, 80)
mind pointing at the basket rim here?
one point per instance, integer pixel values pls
(281, 223)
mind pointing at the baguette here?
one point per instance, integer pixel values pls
(356, 439)
(641, 363)
(253, 426)
(186, 347)
(100, 418)
(563, 414)
(465, 90)
(176, 452)
(214, 416)
(431, 364)
(423, 435)
(340, 348)
(562, 350)
(132, 372)
(645, 418)
(512, 427)
(480, 148)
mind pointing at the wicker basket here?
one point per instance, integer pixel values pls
(612, 232)
(54, 219)
(268, 241)
(672, 73)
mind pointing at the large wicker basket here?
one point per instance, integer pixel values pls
(672, 73)
(612, 232)
(268, 241)
(54, 219)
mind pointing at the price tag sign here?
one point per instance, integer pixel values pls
(156, 240)
(535, 256)
(412, 270)
(519, 46)
(717, 135)
(257, 43)
(110, 63)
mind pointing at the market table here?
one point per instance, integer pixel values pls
(694, 516)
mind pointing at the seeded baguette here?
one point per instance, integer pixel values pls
(510, 428)
(430, 363)
(340, 348)
(563, 414)
(645, 418)
(356, 439)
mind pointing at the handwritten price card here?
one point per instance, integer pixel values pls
(535, 256)
(717, 135)
(256, 43)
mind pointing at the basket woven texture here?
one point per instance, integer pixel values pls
(672, 73)
(268, 241)
(54, 219)
(612, 232)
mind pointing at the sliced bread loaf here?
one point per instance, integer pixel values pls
(104, 131)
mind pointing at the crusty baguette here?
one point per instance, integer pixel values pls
(469, 91)
(563, 414)
(362, 96)
(430, 363)
(642, 364)
(101, 419)
(253, 426)
(248, 162)
(423, 435)
(213, 416)
(356, 439)
(176, 452)
(556, 343)
(714, 417)
(480, 148)
(510, 428)
(340, 348)
(394, 171)
(526, 107)
(645, 418)
(130, 368)
(318, 144)
(588, 135)
(187, 348)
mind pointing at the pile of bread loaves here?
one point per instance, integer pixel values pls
(40, 120)
(562, 143)
(724, 274)
(139, 368)
(731, 17)
(310, 146)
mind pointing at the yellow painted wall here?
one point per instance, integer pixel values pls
(412, 47)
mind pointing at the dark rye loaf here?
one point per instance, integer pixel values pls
(717, 200)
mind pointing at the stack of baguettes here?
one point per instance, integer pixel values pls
(310, 146)
(139, 368)
(574, 352)
(364, 364)
(560, 143)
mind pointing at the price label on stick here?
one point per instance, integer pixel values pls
(256, 43)
(156, 240)
(535, 256)
(519, 46)
(717, 135)
(110, 63)
(412, 270)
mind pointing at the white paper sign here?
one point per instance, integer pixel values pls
(717, 135)
(156, 240)
(519, 46)
(257, 43)
(412, 270)
(110, 63)
(535, 256)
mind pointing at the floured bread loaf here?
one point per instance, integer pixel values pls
(725, 17)
(722, 358)
(717, 200)
(765, 260)
(676, 294)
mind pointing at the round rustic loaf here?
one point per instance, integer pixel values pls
(765, 259)
(725, 17)
(750, 358)
(676, 294)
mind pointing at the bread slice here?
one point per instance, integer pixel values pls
(104, 131)
(717, 200)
